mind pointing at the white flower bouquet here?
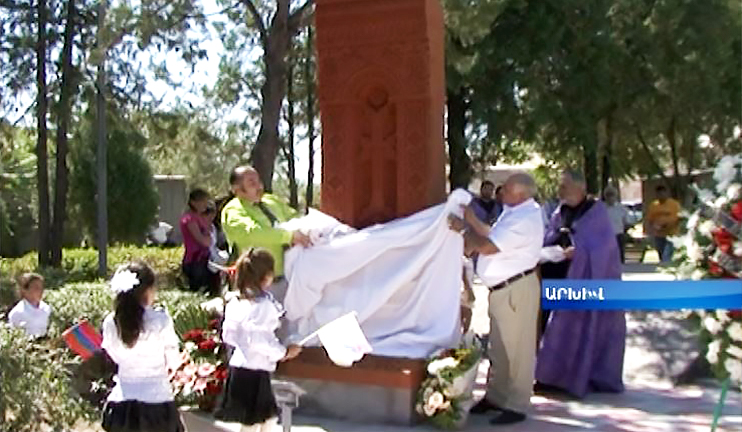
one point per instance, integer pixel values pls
(721, 332)
(711, 248)
(445, 396)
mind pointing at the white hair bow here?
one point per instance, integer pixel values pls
(123, 281)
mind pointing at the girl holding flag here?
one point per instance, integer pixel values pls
(142, 341)
(250, 323)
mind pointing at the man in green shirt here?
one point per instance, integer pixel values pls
(250, 219)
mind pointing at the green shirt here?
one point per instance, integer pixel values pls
(246, 226)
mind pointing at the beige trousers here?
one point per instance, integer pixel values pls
(513, 313)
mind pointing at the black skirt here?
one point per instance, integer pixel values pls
(135, 416)
(248, 397)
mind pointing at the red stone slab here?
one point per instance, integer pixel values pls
(381, 95)
(395, 372)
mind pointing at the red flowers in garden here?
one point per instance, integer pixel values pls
(736, 211)
(201, 377)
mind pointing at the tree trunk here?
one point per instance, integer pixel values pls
(691, 143)
(63, 114)
(492, 140)
(648, 151)
(42, 169)
(606, 173)
(102, 153)
(309, 79)
(460, 172)
(591, 163)
(672, 141)
(293, 188)
(276, 47)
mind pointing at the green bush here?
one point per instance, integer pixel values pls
(35, 386)
(81, 265)
(95, 300)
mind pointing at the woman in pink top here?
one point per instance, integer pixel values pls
(196, 239)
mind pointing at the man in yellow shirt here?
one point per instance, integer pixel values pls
(662, 222)
(250, 219)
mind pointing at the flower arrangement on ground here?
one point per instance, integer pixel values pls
(712, 249)
(445, 396)
(200, 378)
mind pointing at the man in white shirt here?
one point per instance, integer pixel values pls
(508, 254)
(619, 217)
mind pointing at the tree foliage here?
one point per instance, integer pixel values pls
(132, 197)
(617, 88)
(17, 187)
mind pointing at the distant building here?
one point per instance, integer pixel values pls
(173, 198)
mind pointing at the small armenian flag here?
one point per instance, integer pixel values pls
(83, 339)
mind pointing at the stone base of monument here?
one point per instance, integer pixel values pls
(376, 389)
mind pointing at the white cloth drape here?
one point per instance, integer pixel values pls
(402, 278)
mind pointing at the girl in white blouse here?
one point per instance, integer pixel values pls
(250, 323)
(31, 313)
(142, 341)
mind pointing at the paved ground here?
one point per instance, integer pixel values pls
(659, 346)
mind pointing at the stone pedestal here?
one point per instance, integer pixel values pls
(375, 390)
(381, 95)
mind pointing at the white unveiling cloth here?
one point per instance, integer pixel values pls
(402, 278)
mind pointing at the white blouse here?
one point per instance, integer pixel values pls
(250, 326)
(34, 320)
(143, 368)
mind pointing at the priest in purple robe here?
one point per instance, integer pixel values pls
(581, 350)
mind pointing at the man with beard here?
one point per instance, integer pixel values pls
(581, 350)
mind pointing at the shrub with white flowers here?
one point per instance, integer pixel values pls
(711, 248)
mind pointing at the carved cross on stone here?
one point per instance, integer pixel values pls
(381, 94)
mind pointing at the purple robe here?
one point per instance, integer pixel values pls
(583, 351)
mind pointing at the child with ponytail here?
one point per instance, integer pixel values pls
(250, 323)
(142, 341)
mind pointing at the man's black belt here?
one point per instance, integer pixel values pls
(509, 281)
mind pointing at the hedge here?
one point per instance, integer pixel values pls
(95, 300)
(81, 265)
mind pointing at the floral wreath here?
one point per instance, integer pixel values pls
(712, 249)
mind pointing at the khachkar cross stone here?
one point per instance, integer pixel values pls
(381, 93)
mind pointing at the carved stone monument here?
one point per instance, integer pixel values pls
(381, 93)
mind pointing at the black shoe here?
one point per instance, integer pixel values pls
(546, 389)
(507, 417)
(549, 390)
(483, 406)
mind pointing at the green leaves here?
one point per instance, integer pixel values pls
(130, 181)
(34, 385)
(576, 80)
